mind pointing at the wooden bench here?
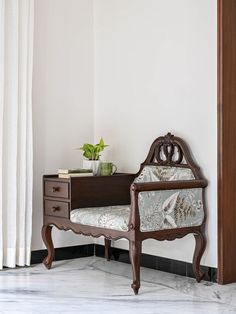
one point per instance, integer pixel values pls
(163, 201)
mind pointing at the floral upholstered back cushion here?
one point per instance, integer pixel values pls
(164, 173)
(169, 209)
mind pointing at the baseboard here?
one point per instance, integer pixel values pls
(149, 261)
(159, 263)
(63, 253)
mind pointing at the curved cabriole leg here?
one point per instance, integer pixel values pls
(107, 249)
(199, 250)
(134, 254)
(47, 239)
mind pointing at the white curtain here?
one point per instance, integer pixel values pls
(16, 52)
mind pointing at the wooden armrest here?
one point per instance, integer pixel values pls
(168, 185)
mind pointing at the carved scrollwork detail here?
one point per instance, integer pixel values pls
(77, 230)
(167, 151)
(172, 234)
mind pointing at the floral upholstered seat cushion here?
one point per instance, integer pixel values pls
(110, 217)
(158, 210)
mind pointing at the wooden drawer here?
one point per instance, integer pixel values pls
(56, 189)
(56, 208)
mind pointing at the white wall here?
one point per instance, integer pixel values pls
(62, 96)
(155, 71)
(150, 68)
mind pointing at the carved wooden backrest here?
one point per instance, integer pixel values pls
(171, 151)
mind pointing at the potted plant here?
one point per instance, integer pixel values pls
(92, 153)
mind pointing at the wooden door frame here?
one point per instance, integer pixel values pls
(226, 141)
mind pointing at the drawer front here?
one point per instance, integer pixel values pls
(56, 189)
(57, 209)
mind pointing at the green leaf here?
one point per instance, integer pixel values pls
(101, 143)
(92, 152)
(87, 154)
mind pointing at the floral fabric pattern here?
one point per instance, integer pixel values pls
(158, 210)
(170, 209)
(110, 217)
(164, 173)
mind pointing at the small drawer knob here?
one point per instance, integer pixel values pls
(55, 208)
(55, 189)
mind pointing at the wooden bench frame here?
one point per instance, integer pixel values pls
(166, 146)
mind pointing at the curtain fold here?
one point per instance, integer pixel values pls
(16, 52)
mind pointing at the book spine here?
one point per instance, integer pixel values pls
(73, 175)
(68, 171)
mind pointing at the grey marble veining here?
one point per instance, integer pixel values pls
(93, 285)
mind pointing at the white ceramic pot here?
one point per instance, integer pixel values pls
(91, 164)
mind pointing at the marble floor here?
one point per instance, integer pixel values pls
(93, 285)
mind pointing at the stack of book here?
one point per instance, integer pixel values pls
(69, 173)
